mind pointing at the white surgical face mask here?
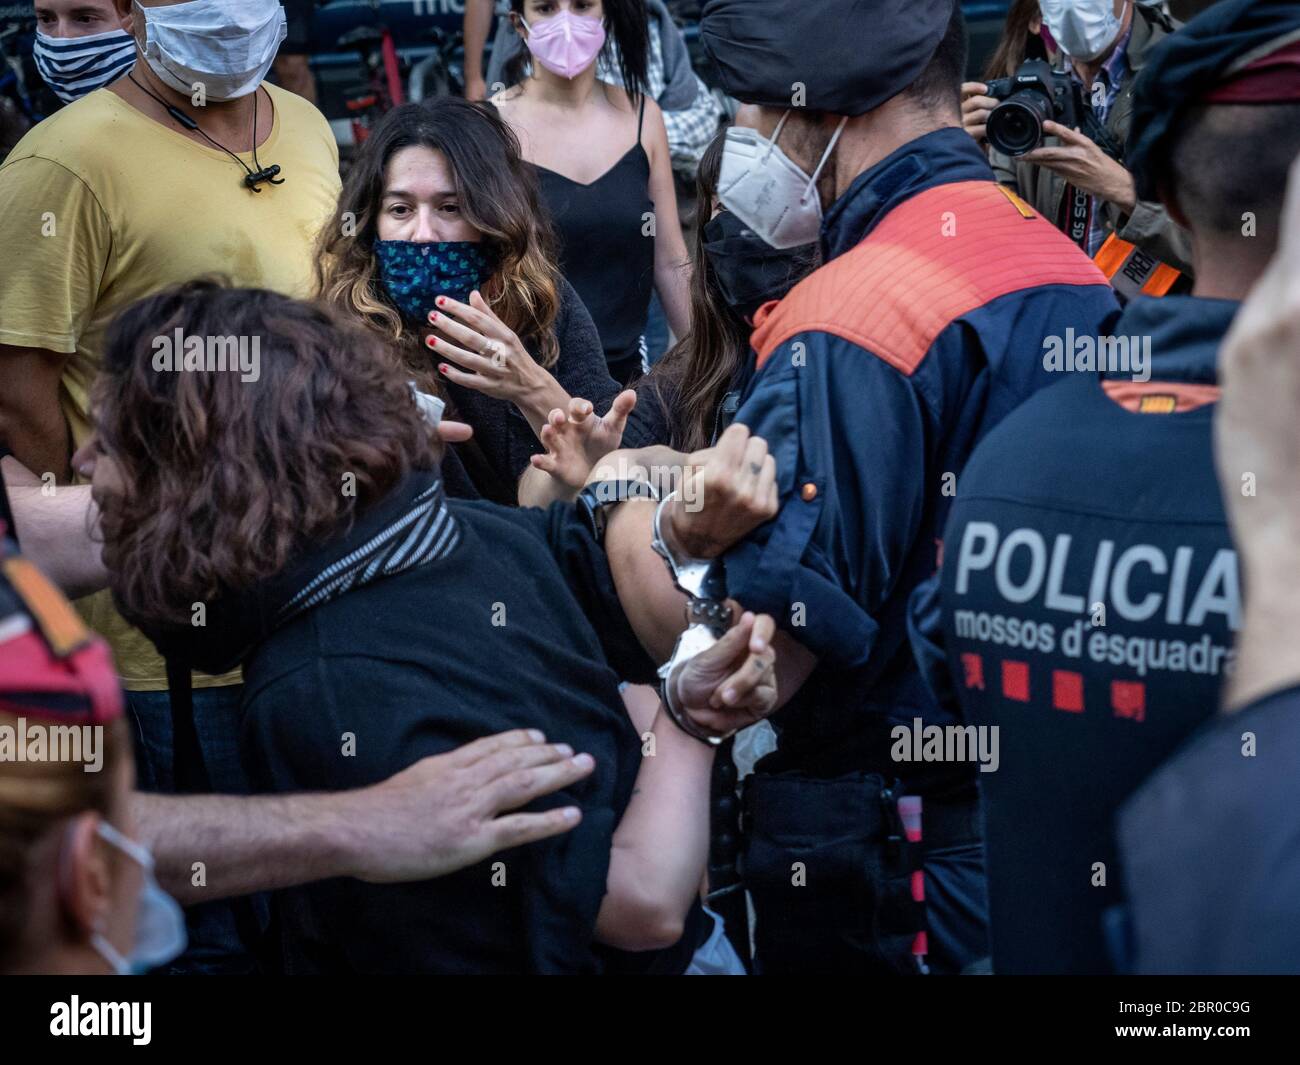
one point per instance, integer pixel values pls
(226, 46)
(767, 190)
(1083, 28)
(159, 926)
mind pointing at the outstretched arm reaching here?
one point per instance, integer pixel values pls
(439, 815)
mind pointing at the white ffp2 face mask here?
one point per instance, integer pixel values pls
(225, 46)
(1083, 28)
(159, 924)
(768, 191)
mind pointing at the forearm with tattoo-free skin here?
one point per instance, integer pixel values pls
(660, 846)
(244, 843)
(537, 403)
(538, 489)
(732, 490)
(54, 530)
(672, 267)
(662, 841)
(477, 24)
(654, 606)
(443, 813)
(32, 422)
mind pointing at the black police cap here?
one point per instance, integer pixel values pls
(849, 56)
(1187, 66)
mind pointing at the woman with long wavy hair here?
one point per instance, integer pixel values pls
(439, 246)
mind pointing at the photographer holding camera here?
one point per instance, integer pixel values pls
(1065, 156)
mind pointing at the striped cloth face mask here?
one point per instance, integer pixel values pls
(75, 66)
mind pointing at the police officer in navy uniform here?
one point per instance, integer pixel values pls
(1090, 588)
(1208, 843)
(872, 380)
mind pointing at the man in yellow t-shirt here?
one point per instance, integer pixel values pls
(110, 200)
(103, 204)
(134, 187)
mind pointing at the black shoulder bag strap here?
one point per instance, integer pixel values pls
(189, 772)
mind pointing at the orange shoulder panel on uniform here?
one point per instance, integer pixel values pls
(941, 254)
(1160, 397)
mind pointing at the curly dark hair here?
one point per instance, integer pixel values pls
(226, 477)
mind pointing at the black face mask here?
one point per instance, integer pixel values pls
(1035, 47)
(750, 272)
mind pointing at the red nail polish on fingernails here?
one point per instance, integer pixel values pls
(433, 316)
(440, 300)
(432, 342)
(442, 367)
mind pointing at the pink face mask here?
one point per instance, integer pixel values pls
(566, 44)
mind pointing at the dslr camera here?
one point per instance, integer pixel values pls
(1033, 95)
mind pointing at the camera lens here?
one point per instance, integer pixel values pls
(1015, 126)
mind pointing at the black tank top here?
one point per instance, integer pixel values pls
(605, 251)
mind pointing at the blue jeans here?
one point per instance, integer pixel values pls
(221, 934)
(656, 331)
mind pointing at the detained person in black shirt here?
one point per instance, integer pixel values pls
(377, 623)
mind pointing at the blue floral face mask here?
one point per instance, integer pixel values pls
(415, 274)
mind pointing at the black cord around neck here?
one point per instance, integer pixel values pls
(252, 177)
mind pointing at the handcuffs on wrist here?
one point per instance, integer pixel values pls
(709, 617)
